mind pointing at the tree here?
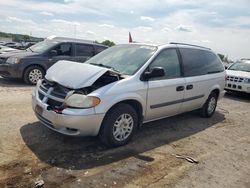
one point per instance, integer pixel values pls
(26, 38)
(221, 56)
(15, 38)
(108, 43)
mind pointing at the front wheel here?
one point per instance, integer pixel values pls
(209, 107)
(33, 74)
(119, 125)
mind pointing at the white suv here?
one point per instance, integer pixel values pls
(116, 91)
(238, 77)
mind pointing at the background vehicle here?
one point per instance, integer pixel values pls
(15, 45)
(31, 64)
(113, 93)
(238, 77)
(5, 49)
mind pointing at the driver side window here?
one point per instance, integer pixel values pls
(64, 49)
(168, 60)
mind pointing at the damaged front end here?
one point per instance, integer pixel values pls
(58, 97)
(62, 101)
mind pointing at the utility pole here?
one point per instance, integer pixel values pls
(75, 30)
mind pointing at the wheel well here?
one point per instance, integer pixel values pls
(216, 91)
(136, 105)
(32, 66)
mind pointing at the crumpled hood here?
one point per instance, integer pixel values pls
(241, 74)
(74, 75)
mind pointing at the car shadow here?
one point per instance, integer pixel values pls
(87, 152)
(7, 82)
(238, 96)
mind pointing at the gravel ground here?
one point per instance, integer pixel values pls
(29, 152)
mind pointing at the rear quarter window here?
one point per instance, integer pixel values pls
(84, 50)
(99, 49)
(200, 62)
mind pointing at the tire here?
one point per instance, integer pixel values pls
(32, 74)
(209, 107)
(119, 125)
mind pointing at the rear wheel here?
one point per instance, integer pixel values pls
(209, 107)
(33, 74)
(119, 125)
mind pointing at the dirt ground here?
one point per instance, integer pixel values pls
(30, 152)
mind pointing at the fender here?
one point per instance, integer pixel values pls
(109, 101)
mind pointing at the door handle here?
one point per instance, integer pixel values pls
(188, 87)
(180, 88)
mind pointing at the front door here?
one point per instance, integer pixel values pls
(63, 52)
(165, 94)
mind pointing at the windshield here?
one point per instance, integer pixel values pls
(240, 67)
(126, 58)
(42, 46)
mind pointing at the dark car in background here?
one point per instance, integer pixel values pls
(15, 45)
(31, 64)
(5, 49)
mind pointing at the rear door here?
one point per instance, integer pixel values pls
(83, 52)
(165, 94)
(63, 52)
(202, 72)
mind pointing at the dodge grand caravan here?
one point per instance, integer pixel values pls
(113, 93)
(31, 64)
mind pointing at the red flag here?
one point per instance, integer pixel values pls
(130, 40)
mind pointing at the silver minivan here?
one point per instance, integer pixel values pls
(113, 93)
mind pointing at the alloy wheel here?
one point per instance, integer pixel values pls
(123, 127)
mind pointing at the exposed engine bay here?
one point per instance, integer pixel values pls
(56, 90)
(107, 78)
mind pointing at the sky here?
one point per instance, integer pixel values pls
(223, 25)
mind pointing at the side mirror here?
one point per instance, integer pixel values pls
(154, 73)
(53, 53)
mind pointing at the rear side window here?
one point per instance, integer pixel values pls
(168, 60)
(200, 62)
(98, 49)
(84, 50)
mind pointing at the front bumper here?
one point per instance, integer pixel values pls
(221, 95)
(10, 70)
(238, 86)
(72, 122)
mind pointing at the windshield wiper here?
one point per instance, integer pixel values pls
(106, 66)
(30, 49)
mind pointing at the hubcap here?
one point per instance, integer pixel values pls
(211, 105)
(35, 75)
(123, 127)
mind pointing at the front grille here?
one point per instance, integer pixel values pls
(52, 94)
(3, 60)
(234, 86)
(235, 79)
(44, 120)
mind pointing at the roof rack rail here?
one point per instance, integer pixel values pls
(189, 45)
(53, 37)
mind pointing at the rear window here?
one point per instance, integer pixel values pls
(84, 50)
(98, 49)
(200, 62)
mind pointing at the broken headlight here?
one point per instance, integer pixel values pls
(81, 101)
